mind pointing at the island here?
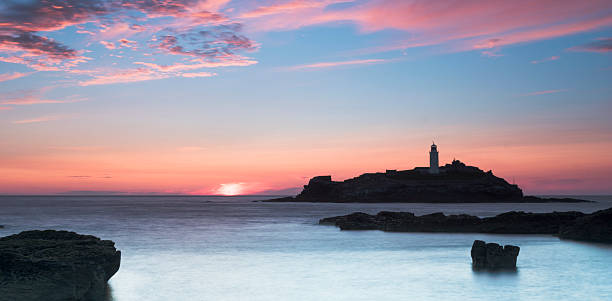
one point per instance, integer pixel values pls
(56, 266)
(452, 183)
(594, 227)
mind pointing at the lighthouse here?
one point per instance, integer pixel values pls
(433, 159)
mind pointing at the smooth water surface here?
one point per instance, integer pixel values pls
(231, 248)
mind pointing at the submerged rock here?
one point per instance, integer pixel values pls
(493, 256)
(55, 265)
(595, 227)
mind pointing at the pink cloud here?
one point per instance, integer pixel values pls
(34, 96)
(128, 43)
(199, 64)
(198, 74)
(15, 75)
(186, 27)
(29, 100)
(5, 108)
(39, 119)
(548, 59)
(466, 25)
(295, 5)
(543, 92)
(336, 64)
(108, 45)
(123, 76)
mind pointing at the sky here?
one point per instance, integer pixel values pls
(256, 97)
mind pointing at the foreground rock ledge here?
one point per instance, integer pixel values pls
(594, 227)
(492, 256)
(56, 265)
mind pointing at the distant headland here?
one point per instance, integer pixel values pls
(452, 183)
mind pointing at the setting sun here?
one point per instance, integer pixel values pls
(230, 189)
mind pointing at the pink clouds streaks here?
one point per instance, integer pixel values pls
(467, 25)
(123, 76)
(116, 76)
(34, 96)
(39, 119)
(337, 64)
(544, 92)
(198, 74)
(13, 75)
(185, 27)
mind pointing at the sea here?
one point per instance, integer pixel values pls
(235, 248)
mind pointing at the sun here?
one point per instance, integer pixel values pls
(230, 189)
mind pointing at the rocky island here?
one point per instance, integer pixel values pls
(452, 183)
(594, 227)
(56, 266)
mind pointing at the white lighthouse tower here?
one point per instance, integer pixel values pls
(433, 159)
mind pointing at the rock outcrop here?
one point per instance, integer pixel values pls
(55, 265)
(571, 225)
(493, 256)
(596, 227)
(456, 183)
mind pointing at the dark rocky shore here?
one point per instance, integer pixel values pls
(56, 265)
(594, 227)
(456, 183)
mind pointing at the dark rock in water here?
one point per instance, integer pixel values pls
(55, 265)
(455, 183)
(596, 227)
(493, 256)
(507, 223)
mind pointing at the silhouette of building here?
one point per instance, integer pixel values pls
(433, 159)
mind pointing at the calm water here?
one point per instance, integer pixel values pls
(212, 248)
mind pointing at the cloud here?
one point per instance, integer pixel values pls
(460, 25)
(543, 92)
(179, 27)
(5, 108)
(39, 119)
(601, 45)
(108, 45)
(29, 42)
(548, 59)
(151, 72)
(128, 43)
(296, 5)
(198, 74)
(15, 75)
(31, 97)
(35, 100)
(218, 42)
(337, 64)
(199, 64)
(123, 76)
